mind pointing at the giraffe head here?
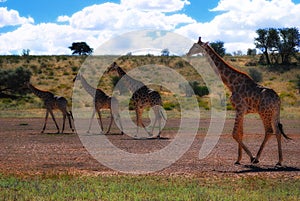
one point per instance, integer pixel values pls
(113, 67)
(197, 48)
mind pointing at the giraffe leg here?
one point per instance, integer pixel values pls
(64, 121)
(100, 120)
(45, 122)
(139, 115)
(278, 133)
(120, 123)
(157, 119)
(91, 121)
(240, 148)
(116, 115)
(137, 112)
(52, 115)
(267, 137)
(110, 123)
(69, 114)
(238, 136)
(142, 123)
(278, 137)
(268, 132)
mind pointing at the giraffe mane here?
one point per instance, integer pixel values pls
(229, 65)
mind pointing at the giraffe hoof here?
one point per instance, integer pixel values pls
(237, 163)
(254, 161)
(278, 164)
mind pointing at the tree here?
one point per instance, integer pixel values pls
(255, 75)
(81, 48)
(12, 81)
(290, 39)
(251, 52)
(266, 41)
(165, 52)
(273, 41)
(218, 46)
(25, 52)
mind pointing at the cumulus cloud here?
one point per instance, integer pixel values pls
(12, 18)
(44, 38)
(235, 24)
(239, 19)
(156, 5)
(93, 24)
(113, 16)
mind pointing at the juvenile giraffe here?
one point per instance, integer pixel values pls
(52, 102)
(142, 97)
(247, 97)
(101, 101)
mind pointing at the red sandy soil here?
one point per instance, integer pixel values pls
(25, 151)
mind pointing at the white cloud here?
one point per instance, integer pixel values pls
(63, 18)
(94, 25)
(111, 16)
(156, 5)
(44, 38)
(12, 18)
(239, 20)
(235, 25)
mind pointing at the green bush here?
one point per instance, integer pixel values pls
(169, 105)
(12, 81)
(255, 75)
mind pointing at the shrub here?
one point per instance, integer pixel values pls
(12, 81)
(169, 105)
(255, 74)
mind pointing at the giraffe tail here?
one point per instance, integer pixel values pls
(282, 132)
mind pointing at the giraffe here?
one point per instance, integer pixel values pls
(142, 97)
(247, 97)
(52, 102)
(101, 101)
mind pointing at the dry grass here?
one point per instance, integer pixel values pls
(55, 73)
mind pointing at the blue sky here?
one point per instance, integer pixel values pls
(49, 27)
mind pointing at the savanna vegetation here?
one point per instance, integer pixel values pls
(55, 73)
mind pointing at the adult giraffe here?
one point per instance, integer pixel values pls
(247, 97)
(52, 102)
(142, 97)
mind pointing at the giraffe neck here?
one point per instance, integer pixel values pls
(91, 90)
(40, 93)
(230, 76)
(128, 81)
(120, 71)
